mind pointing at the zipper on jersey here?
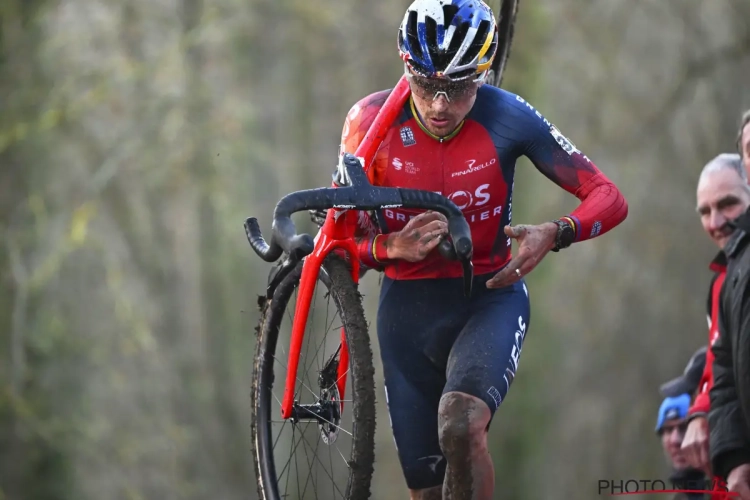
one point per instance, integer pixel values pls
(418, 119)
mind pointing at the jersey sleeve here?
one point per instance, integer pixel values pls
(370, 241)
(602, 204)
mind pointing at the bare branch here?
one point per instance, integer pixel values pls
(694, 72)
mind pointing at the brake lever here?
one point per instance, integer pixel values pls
(445, 247)
(448, 252)
(468, 267)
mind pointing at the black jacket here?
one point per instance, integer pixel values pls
(688, 479)
(728, 418)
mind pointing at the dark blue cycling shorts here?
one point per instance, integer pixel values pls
(434, 340)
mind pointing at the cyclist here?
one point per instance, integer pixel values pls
(448, 360)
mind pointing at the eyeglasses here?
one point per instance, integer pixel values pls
(430, 89)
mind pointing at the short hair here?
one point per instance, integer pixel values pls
(743, 123)
(731, 161)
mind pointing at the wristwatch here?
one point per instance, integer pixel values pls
(565, 235)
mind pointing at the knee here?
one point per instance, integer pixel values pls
(462, 422)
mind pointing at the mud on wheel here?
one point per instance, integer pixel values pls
(321, 451)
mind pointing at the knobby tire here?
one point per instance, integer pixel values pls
(360, 385)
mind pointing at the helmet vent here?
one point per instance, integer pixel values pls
(477, 44)
(413, 36)
(449, 11)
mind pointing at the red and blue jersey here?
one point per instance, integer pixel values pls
(475, 168)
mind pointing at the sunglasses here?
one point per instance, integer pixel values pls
(430, 89)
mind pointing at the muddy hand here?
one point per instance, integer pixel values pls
(533, 244)
(418, 238)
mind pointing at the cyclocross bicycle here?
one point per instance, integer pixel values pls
(329, 450)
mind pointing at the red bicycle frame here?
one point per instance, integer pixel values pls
(337, 233)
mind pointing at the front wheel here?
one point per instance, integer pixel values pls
(321, 451)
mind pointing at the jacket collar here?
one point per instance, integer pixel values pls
(719, 262)
(740, 236)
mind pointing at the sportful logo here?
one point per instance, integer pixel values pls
(471, 168)
(407, 137)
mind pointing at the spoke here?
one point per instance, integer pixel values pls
(334, 317)
(325, 336)
(310, 468)
(288, 462)
(329, 475)
(286, 486)
(342, 456)
(337, 426)
(276, 441)
(298, 380)
(330, 460)
(296, 464)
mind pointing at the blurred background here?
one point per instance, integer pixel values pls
(136, 136)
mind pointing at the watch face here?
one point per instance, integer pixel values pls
(565, 235)
(568, 235)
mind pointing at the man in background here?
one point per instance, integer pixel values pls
(743, 140)
(670, 426)
(722, 195)
(696, 381)
(729, 416)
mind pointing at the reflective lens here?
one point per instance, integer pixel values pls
(430, 88)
